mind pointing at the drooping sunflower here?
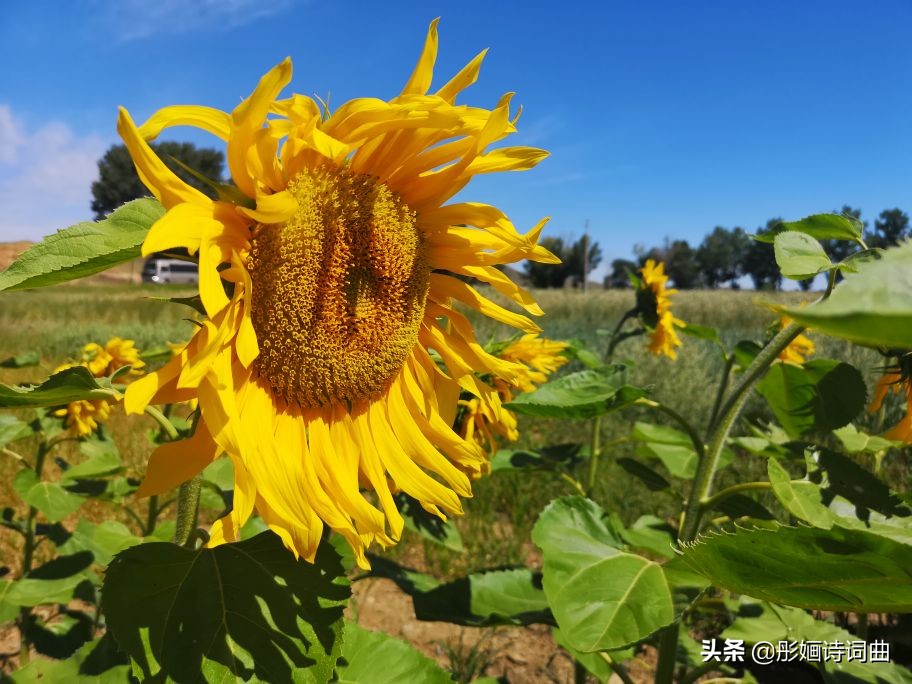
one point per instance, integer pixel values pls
(654, 305)
(82, 418)
(483, 421)
(799, 349)
(327, 281)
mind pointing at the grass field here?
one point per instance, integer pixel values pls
(57, 322)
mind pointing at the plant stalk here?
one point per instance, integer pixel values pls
(187, 509)
(594, 448)
(28, 551)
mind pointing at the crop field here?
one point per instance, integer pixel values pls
(497, 526)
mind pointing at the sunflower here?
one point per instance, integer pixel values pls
(82, 418)
(895, 381)
(798, 349)
(654, 305)
(327, 278)
(483, 421)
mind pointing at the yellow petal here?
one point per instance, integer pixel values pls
(164, 184)
(173, 463)
(420, 81)
(466, 77)
(209, 119)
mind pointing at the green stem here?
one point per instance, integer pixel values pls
(165, 424)
(720, 393)
(731, 409)
(187, 509)
(28, 551)
(613, 341)
(714, 500)
(594, 449)
(668, 654)
(573, 482)
(617, 668)
(151, 515)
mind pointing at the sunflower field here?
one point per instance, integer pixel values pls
(358, 366)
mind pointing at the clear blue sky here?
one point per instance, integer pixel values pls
(662, 118)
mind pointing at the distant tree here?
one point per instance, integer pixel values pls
(571, 266)
(841, 249)
(574, 260)
(681, 265)
(620, 271)
(760, 261)
(655, 253)
(118, 182)
(548, 275)
(721, 256)
(890, 227)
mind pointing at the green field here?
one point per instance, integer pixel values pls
(56, 322)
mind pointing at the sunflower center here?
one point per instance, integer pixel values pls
(338, 291)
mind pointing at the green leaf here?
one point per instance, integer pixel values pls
(584, 394)
(652, 534)
(857, 260)
(742, 506)
(841, 476)
(872, 307)
(745, 352)
(35, 592)
(238, 610)
(836, 569)
(85, 248)
(601, 597)
(71, 384)
(97, 662)
(220, 473)
(50, 498)
(103, 464)
(594, 663)
(800, 256)
(577, 350)
(802, 499)
(427, 525)
(62, 637)
(103, 540)
(819, 226)
(498, 597)
(649, 477)
(30, 358)
(856, 442)
(377, 658)
(819, 396)
(12, 429)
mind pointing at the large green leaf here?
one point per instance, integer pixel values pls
(819, 396)
(800, 256)
(872, 307)
(104, 540)
(34, 592)
(819, 226)
(585, 394)
(601, 597)
(855, 442)
(377, 658)
(760, 621)
(841, 476)
(85, 248)
(50, 498)
(836, 569)
(238, 610)
(71, 384)
(102, 463)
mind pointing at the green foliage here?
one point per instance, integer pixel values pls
(818, 397)
(266, 614)
(890, 228)
(570, 270)
(819, 227)
(118, 181)
(835, 569)
(872, 307)
(602, 597)
(800, 256)
(721, 256)
(377, 658)
(584, 394)
(427, 525)
(84, 249)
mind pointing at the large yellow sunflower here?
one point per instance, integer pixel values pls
(326, 286)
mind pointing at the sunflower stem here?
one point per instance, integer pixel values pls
(594, 449)
(187, 509)
(165, 424)
(28, 551)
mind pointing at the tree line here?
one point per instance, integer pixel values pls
(722, 259)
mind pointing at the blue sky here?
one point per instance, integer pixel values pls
(662, 118)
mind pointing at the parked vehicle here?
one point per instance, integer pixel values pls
(170, 271)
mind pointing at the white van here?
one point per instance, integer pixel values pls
(170, 271)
